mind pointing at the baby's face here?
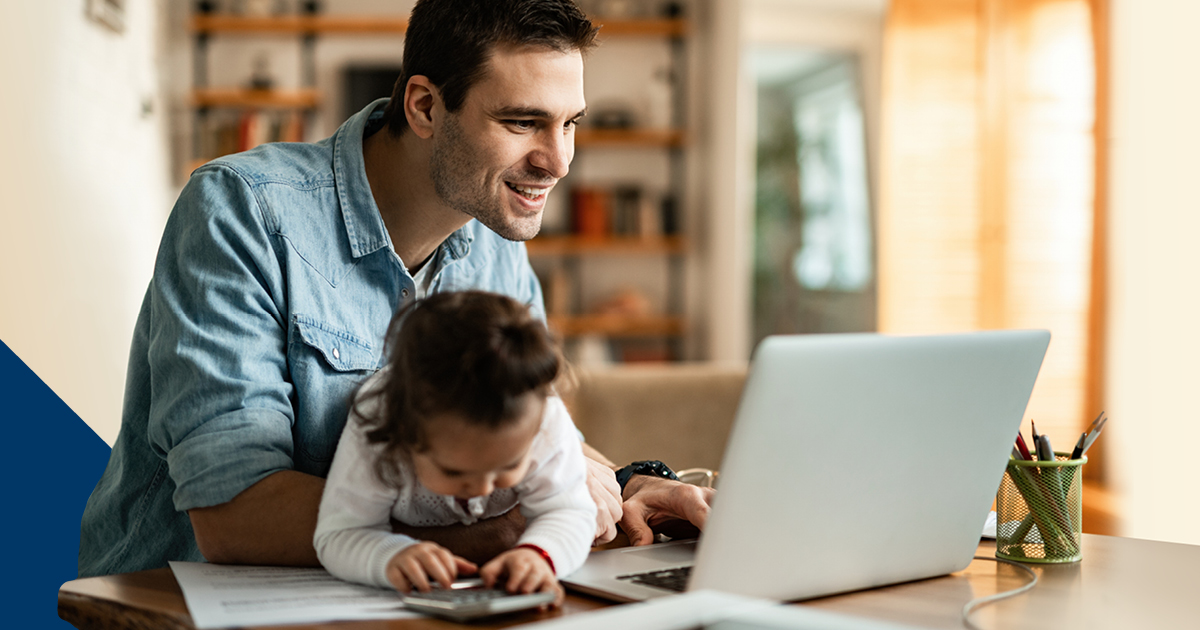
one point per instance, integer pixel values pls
(465, 460)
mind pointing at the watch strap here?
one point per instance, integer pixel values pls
(651, 467)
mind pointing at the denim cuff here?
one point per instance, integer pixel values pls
(228, 454)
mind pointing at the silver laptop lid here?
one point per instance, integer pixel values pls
(864, 460)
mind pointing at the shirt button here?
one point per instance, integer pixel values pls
(336, 354)
(404, 292)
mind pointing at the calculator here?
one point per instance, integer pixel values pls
(470, 599)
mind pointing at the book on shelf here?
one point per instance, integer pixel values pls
(620, 210)
(241, 131)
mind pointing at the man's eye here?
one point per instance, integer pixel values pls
(522, 124)
(571, 123)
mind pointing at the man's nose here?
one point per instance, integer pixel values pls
(554, 152)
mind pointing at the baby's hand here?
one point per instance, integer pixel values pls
(413, 566)
(527, 571)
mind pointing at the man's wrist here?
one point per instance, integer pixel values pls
(647, 468)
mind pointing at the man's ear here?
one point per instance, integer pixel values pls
(421, 96)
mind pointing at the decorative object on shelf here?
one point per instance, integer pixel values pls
(623, 9)
(657, 97)
(310, 7)
(261, 78)
(628, 301)
(621, 210)
(612, 115)
(672, 10)
(590, 211)
(206, 7)
(110, 13)
(591, 351)
(253, 8)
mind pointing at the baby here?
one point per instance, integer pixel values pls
(460, 426)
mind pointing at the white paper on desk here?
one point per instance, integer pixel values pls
(220, 596)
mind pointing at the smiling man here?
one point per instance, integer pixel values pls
(280, 268)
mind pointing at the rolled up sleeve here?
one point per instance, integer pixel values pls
(221, 411)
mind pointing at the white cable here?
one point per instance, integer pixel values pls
(980, 601)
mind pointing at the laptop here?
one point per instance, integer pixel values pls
(855, 461)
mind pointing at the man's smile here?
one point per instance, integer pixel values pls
(533, 193)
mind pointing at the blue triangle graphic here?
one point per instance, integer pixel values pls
(53, 461)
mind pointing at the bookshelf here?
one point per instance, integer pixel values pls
(629, 138)
(333, 24)
(221, 112)
(617, 326)
(248, 98)
(577, 245)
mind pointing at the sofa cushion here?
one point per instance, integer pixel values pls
(678, 413)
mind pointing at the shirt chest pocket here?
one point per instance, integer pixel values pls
(328, 364)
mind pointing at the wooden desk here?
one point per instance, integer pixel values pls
(1121, 583)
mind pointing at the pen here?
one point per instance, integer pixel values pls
(1044, 452)
(1024, 449)
(1033, 429)
(1078, 450)
(1091, 438)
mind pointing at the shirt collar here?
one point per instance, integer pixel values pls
(364, 224)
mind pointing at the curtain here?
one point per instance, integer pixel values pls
(987, 199)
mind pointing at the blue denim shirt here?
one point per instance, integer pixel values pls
(273, 288)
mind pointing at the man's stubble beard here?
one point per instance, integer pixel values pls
(450, 158)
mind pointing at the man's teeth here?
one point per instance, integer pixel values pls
(530, 193)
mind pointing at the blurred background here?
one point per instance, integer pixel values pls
(747, 168)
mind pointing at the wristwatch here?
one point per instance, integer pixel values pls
(652, 467)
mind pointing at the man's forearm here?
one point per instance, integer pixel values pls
(271, 523)
(478, 542)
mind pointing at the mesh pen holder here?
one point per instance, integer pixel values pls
(1039, 510)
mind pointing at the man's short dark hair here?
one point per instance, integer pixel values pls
(450, 42)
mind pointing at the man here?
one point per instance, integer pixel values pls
(280, 268)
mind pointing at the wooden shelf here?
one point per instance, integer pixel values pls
(241, 97)
(589, 137)
(297, 24)
(391, 25)
(647, 27)
(575, 245)
(617, 325)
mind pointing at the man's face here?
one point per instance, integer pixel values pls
(497, 158)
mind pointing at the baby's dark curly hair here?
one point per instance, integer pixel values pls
(471, 353)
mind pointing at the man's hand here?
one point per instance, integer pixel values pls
(606, 492)
(652, 502)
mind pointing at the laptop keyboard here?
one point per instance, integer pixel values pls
(668, 579)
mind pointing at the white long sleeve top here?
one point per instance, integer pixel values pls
(354, 540)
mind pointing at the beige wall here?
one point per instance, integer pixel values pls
(1154, 291)
(83, 171)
